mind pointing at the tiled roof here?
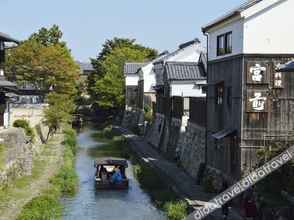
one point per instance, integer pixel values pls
(5, 83)
(85, 66)
(132, 68)
(7, 38)
(232, 13)
(183, 71)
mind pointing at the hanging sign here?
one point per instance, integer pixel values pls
(257, 101)
(257, 73)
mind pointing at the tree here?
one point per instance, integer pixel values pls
(45, 67)
(48, 37)
(58, 112)
(106, 84)
(45, 62)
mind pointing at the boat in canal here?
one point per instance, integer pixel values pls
(105, 169)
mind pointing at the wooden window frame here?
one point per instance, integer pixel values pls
(228, 44)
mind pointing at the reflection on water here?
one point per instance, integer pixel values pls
(88, 203)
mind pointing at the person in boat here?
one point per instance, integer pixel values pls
(103, 174)
(116, 177)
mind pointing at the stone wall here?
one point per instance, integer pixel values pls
(133, 119)
(171, 137)
(154, 133)
(18, 155)
(191, 146)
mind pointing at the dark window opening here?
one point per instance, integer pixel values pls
(224, 44)
(219, 94)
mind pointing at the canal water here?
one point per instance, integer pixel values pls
(89, 204)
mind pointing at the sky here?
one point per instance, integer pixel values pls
(86, 24)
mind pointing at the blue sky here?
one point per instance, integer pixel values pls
(86, 24)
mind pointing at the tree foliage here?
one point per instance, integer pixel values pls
(45, 67)
(106, 84)
(45, 62)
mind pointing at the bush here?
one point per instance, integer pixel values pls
(21, 123)
(148, 114)
(42, 208)
(176, 210)
(70, 139)
(208, 184)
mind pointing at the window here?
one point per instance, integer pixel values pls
(224, 44)
(219, 93)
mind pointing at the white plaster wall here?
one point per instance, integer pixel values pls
(185, 89)
(34, 113)
(236, 27)
(149, 78)
(271, 30)
(132, 80)
(188, 54)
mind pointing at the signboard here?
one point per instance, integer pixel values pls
(257, 101)
(278, 80)
(258, 73)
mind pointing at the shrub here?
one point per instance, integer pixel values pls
(176, 210)
(70, 139)
(41, 208)
(148, 113)
(208, 184)
(2, 156)
(21, 123)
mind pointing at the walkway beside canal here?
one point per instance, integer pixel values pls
(181, 182)
(23, 190)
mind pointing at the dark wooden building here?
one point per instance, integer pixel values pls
(5, 86)
(250, 104)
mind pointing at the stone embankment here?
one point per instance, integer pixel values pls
(17, 155)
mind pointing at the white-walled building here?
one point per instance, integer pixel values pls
(179, 75)
(131, 83)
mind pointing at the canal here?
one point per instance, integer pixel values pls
(88, 203)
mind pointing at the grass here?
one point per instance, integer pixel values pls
(47, 206)
(2, 156)
(161, 195)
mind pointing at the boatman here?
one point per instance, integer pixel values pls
(116, 177)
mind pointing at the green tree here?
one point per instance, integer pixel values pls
(48, 37)
(58, 112)
(45, 67)
(45, 62)
(106, 84)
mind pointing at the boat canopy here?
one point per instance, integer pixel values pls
(111, 161)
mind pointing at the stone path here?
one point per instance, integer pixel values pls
(181, 182)
(12, 205)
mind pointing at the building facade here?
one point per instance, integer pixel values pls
(7, 88)
(131, 84)
(249, 103)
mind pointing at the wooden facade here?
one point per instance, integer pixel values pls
(249, 104)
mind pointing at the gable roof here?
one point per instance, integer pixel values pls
(132, 68)
(183, 71)
(6, 38)
(231, 14)
(181, 47)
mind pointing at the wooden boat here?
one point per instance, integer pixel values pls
(109, 164)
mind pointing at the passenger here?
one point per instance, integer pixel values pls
(103, 174)
(116, 178)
